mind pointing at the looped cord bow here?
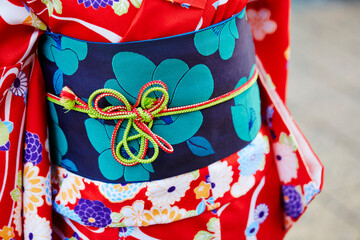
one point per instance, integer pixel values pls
(140, 116)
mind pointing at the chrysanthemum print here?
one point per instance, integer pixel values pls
(33, 188)
(220, 177)
(292, 201)
(170, 190)
(285, 158)
(70, 186)
(33, 148)
(36, 227)
(20, 84)
(93, 213)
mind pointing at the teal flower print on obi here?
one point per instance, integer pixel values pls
(185, 86)
(66, 53)
(57, 141)
(246, 112)
(100, 137)
(221, 37)
(6, 128)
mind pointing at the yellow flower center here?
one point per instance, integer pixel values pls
(92, 220)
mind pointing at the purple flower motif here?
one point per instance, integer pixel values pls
(93, 213)
(292, 201)
(33, 148)
(97, 3)
(19, 86)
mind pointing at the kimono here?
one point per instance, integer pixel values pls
(256, 190)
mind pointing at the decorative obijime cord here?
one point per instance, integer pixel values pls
(140, 116)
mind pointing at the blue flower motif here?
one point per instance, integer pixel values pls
(261, 213)
(33, 148)
(6, 128)
(251, 156)
(65, 211)
(93, 213)
(310, 191)
(252, 229)
(292, 201)
(66, 53)
(185, 86)
(47, 185)
(220, 37)
(125, 231)
(97, 3)
(120, 192)
(246, 113)
(100, 137)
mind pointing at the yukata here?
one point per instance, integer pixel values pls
(235, 170)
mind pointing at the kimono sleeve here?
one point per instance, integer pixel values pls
(269, 21)
(24, 163)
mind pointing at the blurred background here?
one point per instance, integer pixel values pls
(324, 99)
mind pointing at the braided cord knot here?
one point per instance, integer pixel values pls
(139, 116)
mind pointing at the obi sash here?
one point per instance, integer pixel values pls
(194, 68)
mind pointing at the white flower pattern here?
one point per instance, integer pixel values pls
(220, 177)
(170, 190)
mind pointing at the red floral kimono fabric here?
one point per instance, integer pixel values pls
(262, 206)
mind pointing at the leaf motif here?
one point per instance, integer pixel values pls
(109, 167)
(116, 217)
(195, 174)
(203, 235)
(196, 86)
(136, 3)
(201, 207)
(184, 127)
(97, 135)
(66, 60)
(199, 146)
(136, 173)
(68, 164)
(58, 81)
(15, 194)
(190, 213)
(79, 47)
(58, 6)
(121, 7)
(19, 179)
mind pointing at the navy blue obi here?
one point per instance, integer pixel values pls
(196, 67)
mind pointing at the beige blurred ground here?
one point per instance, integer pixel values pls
(324, 98)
